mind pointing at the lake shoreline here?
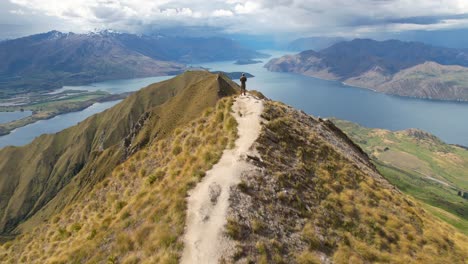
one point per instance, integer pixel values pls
(376, 91)
(314, 96)
(7, 128)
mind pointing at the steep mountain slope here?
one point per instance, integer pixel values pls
(44, 176)
(53, 59)
(394, 67)
(308, 195)
(421, 165)
(187, 49)
(315, 197)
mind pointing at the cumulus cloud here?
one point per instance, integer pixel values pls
(222, 13)
(247, 8)
(332, 17)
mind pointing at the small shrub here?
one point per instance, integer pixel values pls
(92, 234)
(219, 117)
(208, 156)
(238, 253)
(75, 227)
(257, 226)
(125, 215)
(230, 123)
(119, 205)
(261, 248)
(111, 260)
(152, 179)
(233, 229)
(199, 174)
(62, 233)
(176, 150)
(243, 186)
(309, 235)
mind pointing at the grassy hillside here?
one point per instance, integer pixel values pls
(421, 165)
(316, 198)
(56, 169)
(137, 214)
(313, 196)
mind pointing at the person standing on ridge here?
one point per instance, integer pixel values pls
(243, 80)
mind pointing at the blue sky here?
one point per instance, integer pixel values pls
(291, 18)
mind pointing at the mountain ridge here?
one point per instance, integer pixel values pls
(394, 67)
(309, 195)
(88, 150)
(50, 60)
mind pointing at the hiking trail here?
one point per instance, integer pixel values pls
(205, 240)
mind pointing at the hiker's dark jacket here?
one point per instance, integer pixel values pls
(243, 80)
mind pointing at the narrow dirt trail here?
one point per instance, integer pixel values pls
(205, 240)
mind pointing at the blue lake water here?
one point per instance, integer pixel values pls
(6, 117)
(26, 134)
(119, 86)
(447, 120)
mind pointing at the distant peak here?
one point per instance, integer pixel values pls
(55, 34)
(104, 32)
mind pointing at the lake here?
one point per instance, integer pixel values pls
(118, 86)
(24, 135)
(6, 117)
(447, 120)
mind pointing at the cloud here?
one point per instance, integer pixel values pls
(286, 17)
(222, 13)
(247, 8)
(17, 12)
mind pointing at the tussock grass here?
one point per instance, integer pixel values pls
(137, 214)
(406, 158)
(344, 210)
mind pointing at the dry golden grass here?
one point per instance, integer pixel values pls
(355, 215)
(136, 214)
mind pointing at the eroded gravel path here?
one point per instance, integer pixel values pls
(205, 240)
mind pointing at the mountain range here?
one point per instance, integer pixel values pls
(51, 60)
(313, 43)
(394, 67)
(114, 188)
